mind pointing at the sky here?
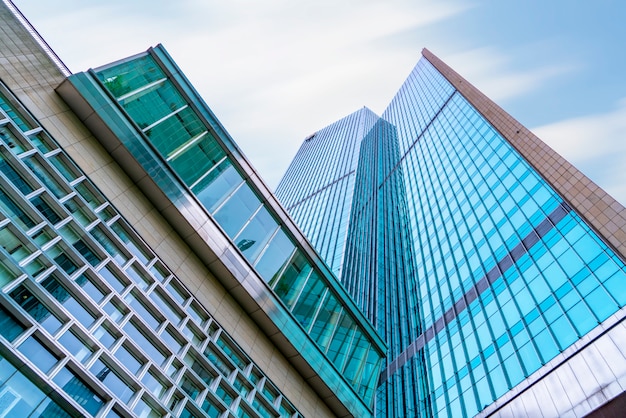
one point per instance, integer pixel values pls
(275, 71)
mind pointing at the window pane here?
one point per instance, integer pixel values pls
(9, 327)
(112, 381)
(13, 176)
(237, 210)
(309, 300)
(146, 345)
(174, 130)
(217, 185)
(75, 346)
(90, 288)
(288, 285)
(36, 309)
(131, 243)
(131, 75)
(38, 354)
(13, 211)
(340, 343)
(275, 256)
(128, 359)
(326, 320)
(45, 209)
(79, 391)
(45, 177)
(13, 114)
(82, 315)
(196, 160)
(256, 234)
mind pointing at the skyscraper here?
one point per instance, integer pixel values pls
(145, 269)
(493, 269)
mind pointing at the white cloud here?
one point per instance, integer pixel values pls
(494, 73)
(272, 71)
(596, 144)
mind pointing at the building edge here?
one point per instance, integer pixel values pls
(607, 217)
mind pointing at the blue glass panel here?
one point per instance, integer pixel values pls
(275, 255)
(9, 327)
(217, 185)
(255, 235)
(38, 354)
(239, 207)
(78, 390)
(112, 381)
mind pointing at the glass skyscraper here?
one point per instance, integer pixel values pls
(445, 262)
(493, 269)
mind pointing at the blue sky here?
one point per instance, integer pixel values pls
(275, 71)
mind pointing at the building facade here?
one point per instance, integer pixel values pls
(493, 269)
(145, 269)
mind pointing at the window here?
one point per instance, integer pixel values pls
(38, 354)
(78, 390)
(112, 380)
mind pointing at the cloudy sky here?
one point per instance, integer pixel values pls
(274, 71)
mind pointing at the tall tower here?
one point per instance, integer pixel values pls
(492, 267)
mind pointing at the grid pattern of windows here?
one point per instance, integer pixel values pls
(326, 225)
(469, 264)
(480, 214)
(156, 104)
(93, 313)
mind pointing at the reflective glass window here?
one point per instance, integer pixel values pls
(11, 111)
(275, 256)
(90, 288)
(341, 341)
(77, 310)
(13, 245)
(79, 212)
(256, 234)
(9, 327)
(174, 130)
(78, 390)
(75, 345)
(14, 177)
(196, 158)
(154, 384)
(292, 279)
(128, 359)
(129, 76)
(326, 320)
(148, 347)
(143, 410)
(112, 380)
(46, 177)
(216, 185)
(237, 210)
(131, 242)
(151, 102)
(14, 211)
(45, 209)
(105, 336)
(36, 309)
(309, 300)
(38, 354)
(190, 387)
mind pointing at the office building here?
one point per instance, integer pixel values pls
(492, 268)
(145, 269)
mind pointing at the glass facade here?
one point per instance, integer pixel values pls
(475, 271)
(95, 323)
(180, 144)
